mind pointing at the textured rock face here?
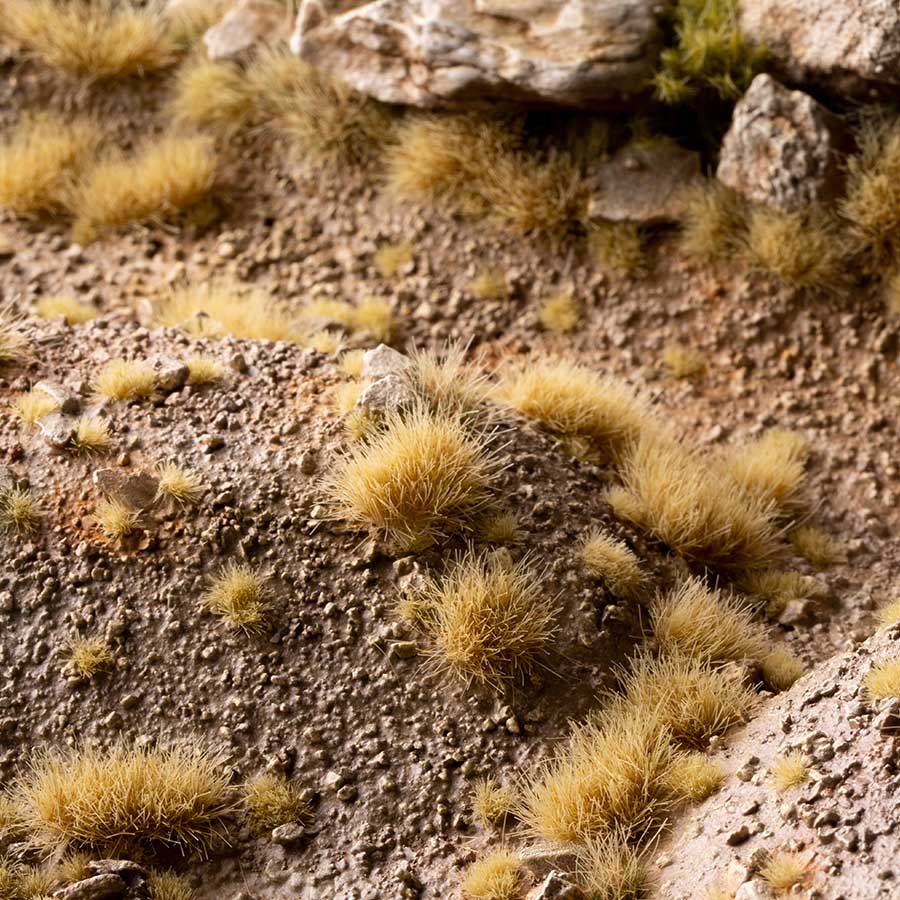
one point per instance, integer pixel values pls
(850, 45)
(250, 22)
(427, 53)
(783, 148)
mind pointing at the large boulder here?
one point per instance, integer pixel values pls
(783, 148)
(429, 53)
(849, 45)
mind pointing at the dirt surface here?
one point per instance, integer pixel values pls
(336, 695)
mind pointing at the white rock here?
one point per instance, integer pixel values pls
(249, 23)
(383, 360)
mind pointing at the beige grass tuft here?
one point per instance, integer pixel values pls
(613, 562)
(372, 315)
(444, 378)
(695, 777)
(781, 669)
(116, 520)
(351, 363)
(61, 306)
(212, 95)
(883, 679)
(239, 595)
(92, 435)
(164, 176)
(272, 800)
(713, 221)
(701, 622)
(88, 656)
(391, 258)
(20, 510)
(890, 614)
(618, 249)
(497, 876)
(126, 799)
(425, 475)
(500, 528)
(613, 869)
(122, 379)
(788, 771)
(32, 406)
(817, 547)
(489, 622)
(785, 869)
(169, 886)
(181, 485)
(492, 802)
(204, 369)
(559, 314)
(39, 157)
(779, 588)
(682, 361)
(96, 38)
(771, 467)
(489, 284)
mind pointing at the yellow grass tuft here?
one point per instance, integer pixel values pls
(391, 258)
(88, 656)
(39, 157)
(611, 774)
(771, 467)
(786, 869)
(713, 221)
(328, 342)
(126, 799)
(189, 19)
(13, 344)
(351, 363)
(122, 379)
(181, 485)
(883, 679)
(500, 528)
(92, 435)
(492, 802)
(689, 698)
(60, 306)
(489, 621)
(559, 314)
(489, 284)
(497, 876)
(33, 406)
(617, 249)
(683, 361)
(781, 669)
(890, 614)
(164, 176)
(573, 400)
(675, 494)
(344, 396)
(239, 594)
(20, 510)
(96, 38)
(424, 476)
(219, 308)
(817, 547)
(797, 248)
(443, 378)
(788, 771)
(612, 869)
(116, 520)
(211, 94)
(778, 588)
(371, 315)
(704, 623)
(272, 800)
(695, 777)
(169, 886)
(204, 369)
(612, 561)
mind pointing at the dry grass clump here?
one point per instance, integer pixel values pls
(88, 656)
(126, 798)
(492, 802)
(13, 344)
(695, 777)
(771, 467)
(224, 307)
(351, 363)
(683, 361)
(489, 284)
(883, 679)
(328, 342)
(92, 435)
(778, 588)
(371, 315)
(96, 38)
(443, 378)
(123, 379)
(239, 594)
(20, 510)
(116, 520)
(39, 157)
(344, 396)
(187, 21)
(204, 369)
(781, 669)
(497, 876)
(612, 869)
(713, 221)
(890, 614)
(689, 698)
(676, 495)
(612, 561)
(425, 475)
(169, 886)
(32, 406)
(798, 248)
(164, 176)
(559, 314)
(489, 621)
(786, 869)
(181, 485)
(327, 121)
(698, 621)
(573, 400)
(391, 258)
(272, 800)
(617, 248)
(61, 306)
(611, 774)
(817, 547)
(788, 771)
(501, 528)
(212, 94)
